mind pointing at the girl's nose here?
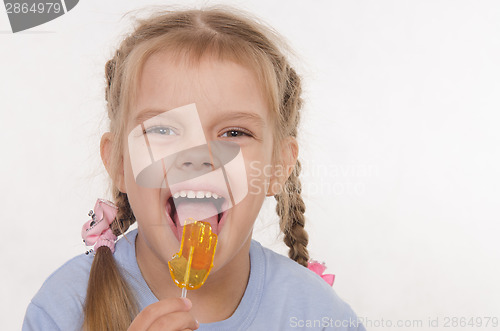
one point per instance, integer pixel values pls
(194, 159)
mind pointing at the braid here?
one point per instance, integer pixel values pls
(109, 73)
(125, 217)
(290, 208)
(290, 205)
(292, 102)
(111, 97)
(110, 303)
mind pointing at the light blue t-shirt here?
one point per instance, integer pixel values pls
(280, 295)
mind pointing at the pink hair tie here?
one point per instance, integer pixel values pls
(319, 268)
(97, 231)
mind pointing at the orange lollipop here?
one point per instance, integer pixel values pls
(190, 267)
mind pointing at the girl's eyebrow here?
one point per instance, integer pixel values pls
(241, 115)
(148, 113)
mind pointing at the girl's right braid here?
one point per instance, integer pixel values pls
(110, 303)
(125, 217)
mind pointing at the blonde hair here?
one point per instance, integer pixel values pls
(222, 33)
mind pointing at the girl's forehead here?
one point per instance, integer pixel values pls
(172, 75)
(217, 86)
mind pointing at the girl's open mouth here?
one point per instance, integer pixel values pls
(201, 205)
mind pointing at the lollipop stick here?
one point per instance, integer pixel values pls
(188, 271)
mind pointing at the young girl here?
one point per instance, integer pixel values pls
(203, 109)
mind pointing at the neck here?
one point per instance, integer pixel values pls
(216, 300)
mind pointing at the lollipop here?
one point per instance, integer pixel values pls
(190, 267)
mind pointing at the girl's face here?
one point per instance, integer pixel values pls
(214, 102)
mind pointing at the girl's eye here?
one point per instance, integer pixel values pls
(161, 130)
(235, 133)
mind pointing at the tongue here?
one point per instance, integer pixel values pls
(200, 211)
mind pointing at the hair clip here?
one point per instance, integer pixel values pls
(97, 230)
(92, 214)
(319, 268)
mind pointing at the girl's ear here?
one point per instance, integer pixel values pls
(289, 154)
(106, 148)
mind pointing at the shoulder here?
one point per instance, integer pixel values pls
(69, 280)
(283, 270)
(302, 292)
(61, 297)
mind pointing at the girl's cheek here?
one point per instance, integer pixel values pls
(237, 176)
(259, 175)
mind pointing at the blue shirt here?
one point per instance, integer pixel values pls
(280, 295)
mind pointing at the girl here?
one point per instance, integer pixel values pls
(203, 109)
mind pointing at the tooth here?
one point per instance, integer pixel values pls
(176, 194)
(215, 196)
(183, 194)
(200, 194)
(208, 194)
(191, 194)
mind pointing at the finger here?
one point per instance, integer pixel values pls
(174, 321)
(154, 311)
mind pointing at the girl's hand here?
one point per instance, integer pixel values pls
(168, 314)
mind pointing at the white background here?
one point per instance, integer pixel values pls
(400, 144)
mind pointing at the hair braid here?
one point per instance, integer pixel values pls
(290, 207)
(125, 217)
(110, 303)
